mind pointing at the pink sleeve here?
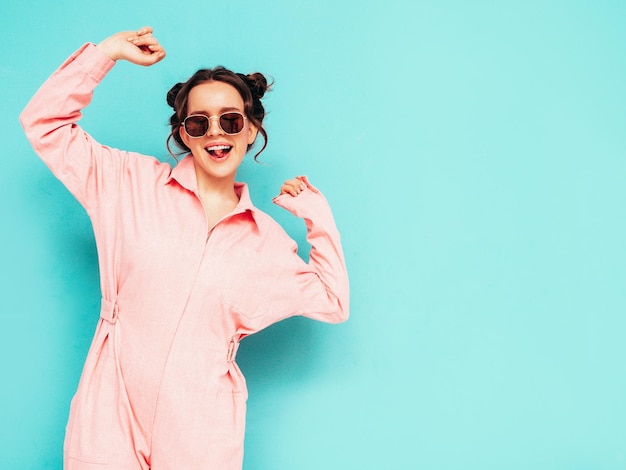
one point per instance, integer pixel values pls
(49, 121)
(327, 297)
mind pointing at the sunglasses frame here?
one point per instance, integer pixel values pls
(208, 118)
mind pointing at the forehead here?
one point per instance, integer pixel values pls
(214, 96)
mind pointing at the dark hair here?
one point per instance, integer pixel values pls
(251, 87)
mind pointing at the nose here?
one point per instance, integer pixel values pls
(214, 127)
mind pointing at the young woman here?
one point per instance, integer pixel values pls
(189, 266)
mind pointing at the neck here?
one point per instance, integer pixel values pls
(217, 199)
(217, 190)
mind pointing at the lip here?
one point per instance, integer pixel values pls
(218, 143)
(216, 146)
(219, 147)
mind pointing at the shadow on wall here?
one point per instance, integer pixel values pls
(282, 353)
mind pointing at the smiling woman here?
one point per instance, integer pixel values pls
(189, 266)
(251, 89)
(217, 154)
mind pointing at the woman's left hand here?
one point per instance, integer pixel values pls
(293, 186)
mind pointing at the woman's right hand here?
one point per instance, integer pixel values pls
(138, 47)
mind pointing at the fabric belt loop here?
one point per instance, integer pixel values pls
(232, 350)
(109, 310)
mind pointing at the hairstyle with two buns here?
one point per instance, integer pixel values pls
(251, 87)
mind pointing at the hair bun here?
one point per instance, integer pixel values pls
(171, 95)
(256, 82)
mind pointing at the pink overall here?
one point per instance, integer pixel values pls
(160, 388)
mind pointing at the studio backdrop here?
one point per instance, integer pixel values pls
(474, 155)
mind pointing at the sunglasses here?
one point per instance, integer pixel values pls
(197, 125)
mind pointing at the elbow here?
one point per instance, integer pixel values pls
(341, 316)
(28, 124)
(23, 119)
(333, 310)
(340, 301)
(341, 310)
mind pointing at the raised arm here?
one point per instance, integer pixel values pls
(322, 289)
(50, 118)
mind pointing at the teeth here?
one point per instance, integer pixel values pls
(218, 147)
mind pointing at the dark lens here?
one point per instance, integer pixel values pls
(196, 126)
(231, 123)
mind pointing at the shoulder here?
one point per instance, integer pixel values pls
(142, 166)
(266, 222)
(147, 162)
(270, 229)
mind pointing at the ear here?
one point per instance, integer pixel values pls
(252, 133)
(183, 135)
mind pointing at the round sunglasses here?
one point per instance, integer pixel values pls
(197, 125)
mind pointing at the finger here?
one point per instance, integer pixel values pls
(292, 187)
(303, 182)
(145, 30)
(143, 41)
(155, 48)
(149, 47)
(288, 189)
(148, 57)
(154, 57)
(138, 36)
(298, 184)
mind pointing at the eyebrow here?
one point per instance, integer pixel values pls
(221, 111)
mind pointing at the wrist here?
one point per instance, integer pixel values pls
(108, 48)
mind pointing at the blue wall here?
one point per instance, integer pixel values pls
(474, 153)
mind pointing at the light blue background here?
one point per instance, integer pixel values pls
(474, 153)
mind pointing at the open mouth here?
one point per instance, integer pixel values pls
(219, 151)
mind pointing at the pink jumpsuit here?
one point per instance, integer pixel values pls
(160, 388)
